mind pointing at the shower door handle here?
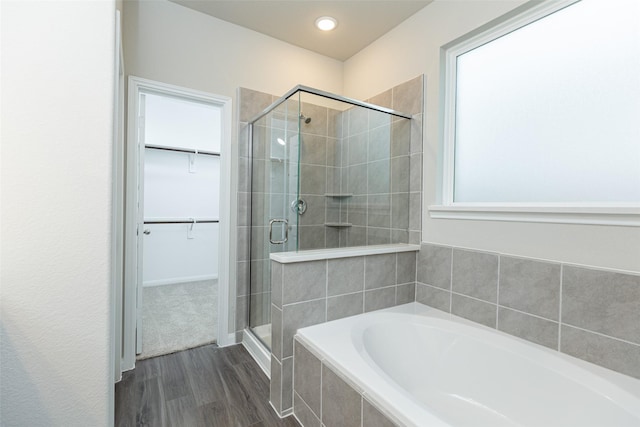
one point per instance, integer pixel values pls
(286, 231)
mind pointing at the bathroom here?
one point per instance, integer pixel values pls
(167, 42)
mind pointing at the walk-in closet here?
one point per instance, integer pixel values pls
(180, 156)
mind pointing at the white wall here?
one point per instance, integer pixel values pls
(169, 43)
(175, 253)
(173, 44)
(413, 48)
(57, 94)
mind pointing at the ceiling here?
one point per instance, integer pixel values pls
(360, 22)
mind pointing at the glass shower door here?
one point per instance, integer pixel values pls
(274, 218)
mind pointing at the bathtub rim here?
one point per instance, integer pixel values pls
(369, 389)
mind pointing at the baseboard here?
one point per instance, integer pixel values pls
(259, 353)
(230, 340)
(285, 414)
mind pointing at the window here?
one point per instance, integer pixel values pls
(542, 115)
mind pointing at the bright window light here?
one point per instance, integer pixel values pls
(544, 114)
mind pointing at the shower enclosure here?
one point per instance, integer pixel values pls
(326, 172)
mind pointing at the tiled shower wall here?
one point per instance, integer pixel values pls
(405, 154)
(375, 172)
(250, 103)
(336, 153)
(589, 313)
(319, 153)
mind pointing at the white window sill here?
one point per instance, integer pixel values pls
(628, 216)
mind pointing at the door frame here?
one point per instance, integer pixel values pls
(135, 156)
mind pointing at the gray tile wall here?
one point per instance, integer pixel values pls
(319, 161)
(589, 313)
(322, 397)
(380, 164)
(313, 292)
(250, 103)
(390, 215)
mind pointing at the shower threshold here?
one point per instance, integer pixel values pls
(263, 332)
(256, 347)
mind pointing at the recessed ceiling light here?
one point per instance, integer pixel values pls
(281, 141)
(326, 23)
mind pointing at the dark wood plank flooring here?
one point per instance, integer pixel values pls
(204, 386)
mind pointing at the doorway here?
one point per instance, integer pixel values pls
(176, 286)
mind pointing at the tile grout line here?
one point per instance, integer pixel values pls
(396, 281)
(451, 284)
(522, 312)
(364, 281)
(326, 290)
(482, 300)
(280, 381)
(498, 295)
(321, 389)
(602, 335)
(560, 309)
(366, 173)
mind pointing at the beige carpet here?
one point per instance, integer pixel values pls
(179, 316)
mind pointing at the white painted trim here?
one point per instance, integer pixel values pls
(140, 138)
(131, 239)
(622, 214)
(320, 254)
(519, 17)
(259, 353)
(592, 215)
(117, 204)
(231, 339)
(134, 157)
(285, 413)
(117, 219)
(224, 229)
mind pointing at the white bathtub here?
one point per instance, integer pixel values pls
(424, 367)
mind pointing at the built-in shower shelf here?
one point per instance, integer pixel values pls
(337, 224)
(338, 194)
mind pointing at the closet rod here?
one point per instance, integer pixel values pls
(184, 221)
(181, 150)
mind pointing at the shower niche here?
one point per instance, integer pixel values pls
(326, 172)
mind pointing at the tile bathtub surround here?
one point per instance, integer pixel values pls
(589, 313)
(304, 281)
(307, 372)
(341, 405)
(323, 397)
(530, 286)
(475, 274)
(602, 301)
(434, 266)
(312, 292)
(345, 275)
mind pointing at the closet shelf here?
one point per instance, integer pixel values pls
(181, 150)
(181, 221)
(338, 224)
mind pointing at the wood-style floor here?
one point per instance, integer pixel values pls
(204, 386)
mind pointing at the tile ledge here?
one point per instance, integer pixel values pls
(320, 254)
